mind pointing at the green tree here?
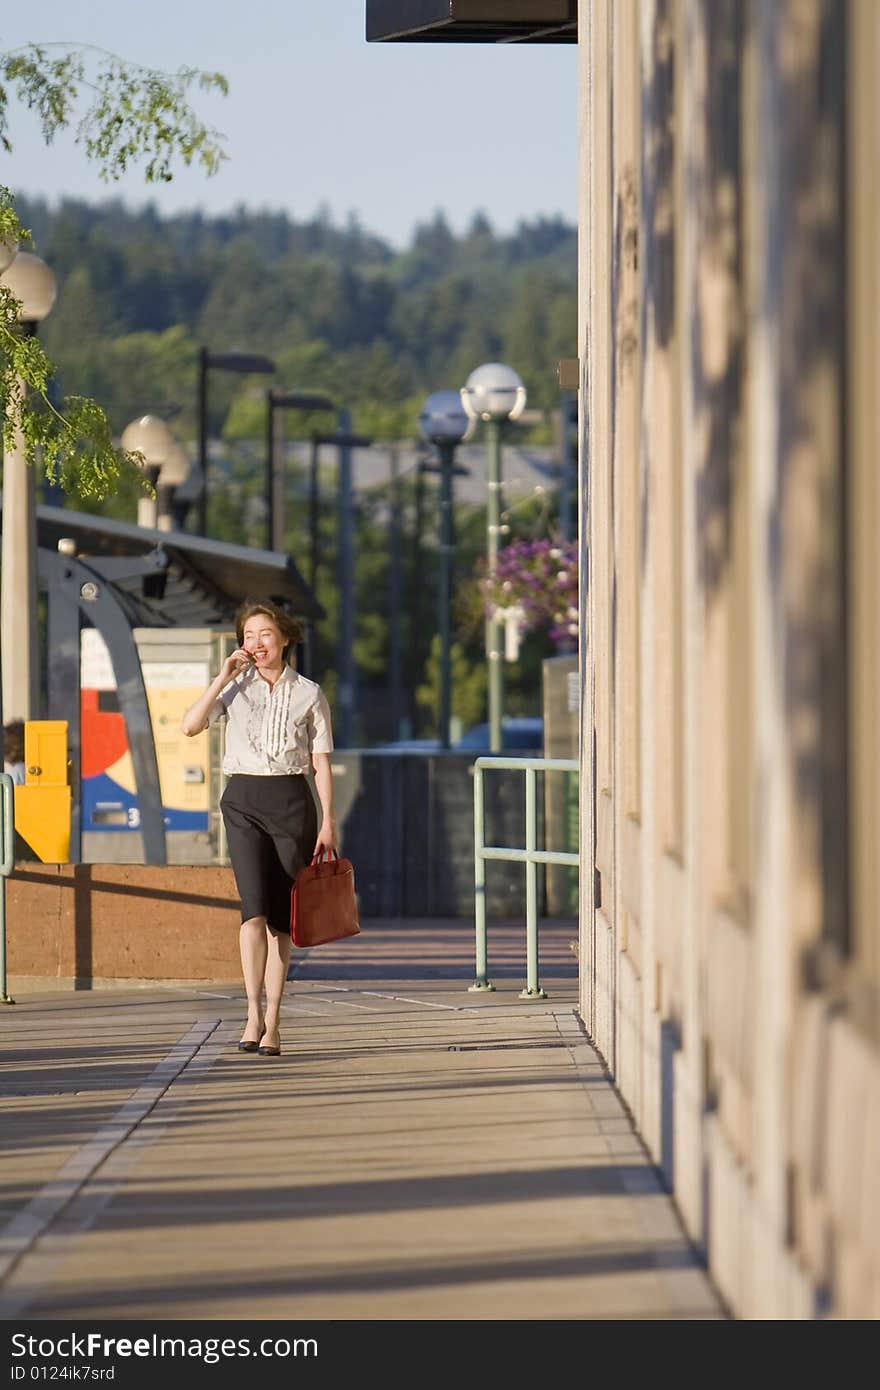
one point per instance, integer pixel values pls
(148, 372)
(333, 307)
(132, 114)
(468, 685)
(352, 322)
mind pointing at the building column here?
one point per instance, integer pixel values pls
(18, 595)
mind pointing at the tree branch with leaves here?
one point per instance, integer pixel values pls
(131, 114)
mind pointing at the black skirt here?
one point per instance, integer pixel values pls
(271, 828)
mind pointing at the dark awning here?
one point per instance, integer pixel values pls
(205, 580)
(471, 21)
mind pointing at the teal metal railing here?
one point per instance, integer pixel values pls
(7, 864)
(531, 856)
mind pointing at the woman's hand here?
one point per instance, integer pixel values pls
(196, 719)
(236, 662)
(327, 838)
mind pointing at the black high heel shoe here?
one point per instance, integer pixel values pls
(247, 1046)
(265, 1051)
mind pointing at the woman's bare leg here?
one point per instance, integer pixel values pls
(252, 941)
(278, 953)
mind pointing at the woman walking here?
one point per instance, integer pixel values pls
(277, 730)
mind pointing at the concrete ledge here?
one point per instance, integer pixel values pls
(78, 924)
(22, 986)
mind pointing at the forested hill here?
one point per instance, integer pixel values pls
(335, 306)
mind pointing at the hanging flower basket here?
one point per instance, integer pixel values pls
(539, 581)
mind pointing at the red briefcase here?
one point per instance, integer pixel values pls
(323, 906)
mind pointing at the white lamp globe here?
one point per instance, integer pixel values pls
(444, 420)
(494, 392)
(33, 283)
(151, 437)
(175, 468)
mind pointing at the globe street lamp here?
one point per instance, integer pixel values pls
(494, 393)
(244, 362)
(172, 473)
(34, 285)
(151, 437)
(444, 423)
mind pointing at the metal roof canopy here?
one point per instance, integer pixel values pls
(205, 580)
(471, 21)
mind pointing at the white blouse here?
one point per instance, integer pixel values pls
(272, 731)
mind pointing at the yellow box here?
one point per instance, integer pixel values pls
(42, 819)
(42, 805)
(45, 753)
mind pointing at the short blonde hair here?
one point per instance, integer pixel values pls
(291, 630)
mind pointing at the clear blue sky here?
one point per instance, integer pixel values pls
(315, 115)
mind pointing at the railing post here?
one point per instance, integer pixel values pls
(7, 844)
(481, 983)
(533, 989)
(531, 857)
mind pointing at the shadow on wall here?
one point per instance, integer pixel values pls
(82, 925)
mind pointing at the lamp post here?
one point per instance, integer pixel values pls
(171, 475)
(246, 363)
(32, 282)
(151, 437)
(494, 393)
(276, 403)
(444, 422)
(344, 441)
(567, 417)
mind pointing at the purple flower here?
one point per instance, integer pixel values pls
(541, 578)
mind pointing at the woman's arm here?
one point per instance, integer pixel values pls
(327, 837)
(195, 720)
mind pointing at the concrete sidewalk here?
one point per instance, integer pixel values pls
(416, 1152)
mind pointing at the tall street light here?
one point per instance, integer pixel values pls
(346, 667)
(567, 416)
(151, 437)
(32, 282)
(444, 423)
(494, 393)
(276, 403)
(394, 592)
(246, 363)
(172, 474)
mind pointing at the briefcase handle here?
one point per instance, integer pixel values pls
(326, 867)
(325, 850)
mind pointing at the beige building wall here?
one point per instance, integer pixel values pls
(730, 605)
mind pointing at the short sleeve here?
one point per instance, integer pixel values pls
(220, 707)
(320, 727)
(217, 711)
